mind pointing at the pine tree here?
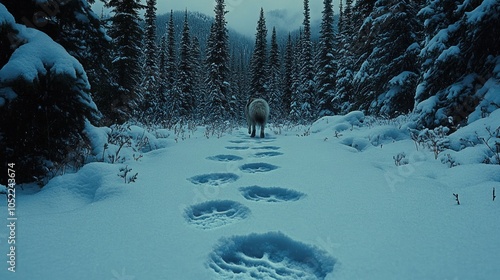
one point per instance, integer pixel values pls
(340, 23)
(354, 46)
(347, 18)
(239, 80)
(342, 99)
(127, 50)
(258, 66)
(275, 78)
(386, 79)
(197, 77)
(162, 65)
(217, 103)
(288, 80)
(73, 25)
(460, 66)
(173, 92)
(44, 105)
(326, 62)
(306, 90)
(150, 83)
(171, 65)
(295, 112)
(151, 67)
(186, 72)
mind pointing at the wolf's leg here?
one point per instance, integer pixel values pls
(253, 130)
(249, 128)
(262, 131)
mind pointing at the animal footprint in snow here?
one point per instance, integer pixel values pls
(271, 255)
(267, 154)
(215, 213)
(237, 141)
(214, 179)
(237, 148)
(267, 148)
(272, 194)
(257, 167)
(225, 158)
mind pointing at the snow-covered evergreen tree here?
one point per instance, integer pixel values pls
(460, 62)
(171, 65)
(217, 63)
(73, 25)
(306, 90)
(327, 68)
(340, 22)
(275, 92)
(288, 79)
(198, 86)
(295, 98)
(45, 101)
(239, 81)
(385, 82)
(127, 50)
(186, 80)
(342, 99)
(173, 92)
(259, 65)
(151, 69)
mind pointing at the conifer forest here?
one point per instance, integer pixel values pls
(63, 65)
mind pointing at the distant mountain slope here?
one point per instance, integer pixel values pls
(199, 25)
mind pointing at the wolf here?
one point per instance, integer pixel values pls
(256, 112)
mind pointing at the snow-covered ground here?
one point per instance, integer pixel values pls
(347, 198)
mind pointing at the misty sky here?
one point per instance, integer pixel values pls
(244, 14)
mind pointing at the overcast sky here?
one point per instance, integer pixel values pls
(244, 14)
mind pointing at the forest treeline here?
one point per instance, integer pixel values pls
(62, 65)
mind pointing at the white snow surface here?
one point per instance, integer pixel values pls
(319, 202)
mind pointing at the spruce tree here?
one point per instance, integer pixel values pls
(296, 102)
(186, 72)
(45, 103)
(217, 64)
(275, 78)
(386, 79)
(150, 83)
(73, 25)
(342, 99)
(162, 66)
(174, 106)
(171, 65)
(327, 67)
(127, 50)
(258, 66)
(460, 65)
(197, 77)
(306, 91)
(288, 80)
(340, 23)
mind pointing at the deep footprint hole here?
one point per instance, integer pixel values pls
(237, 147)
(225, 158)
(266, 148)
(214, 179)
(237, 141)
(257, 167)
(267, 154)
(271, 255)
(215, 213)
(270, 194)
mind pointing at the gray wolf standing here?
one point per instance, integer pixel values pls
(256, 112)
